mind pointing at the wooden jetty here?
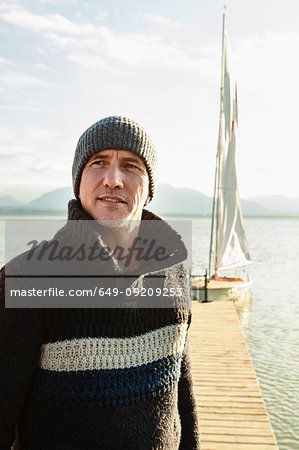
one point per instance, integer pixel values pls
(231, 407)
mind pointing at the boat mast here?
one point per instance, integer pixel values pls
(215, 210)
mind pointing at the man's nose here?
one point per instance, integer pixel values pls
(113, 178)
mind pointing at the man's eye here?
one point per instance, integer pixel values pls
(131, 166)
(97, 163)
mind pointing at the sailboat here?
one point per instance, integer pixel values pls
(228, 245)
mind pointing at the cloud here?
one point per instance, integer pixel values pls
(67, 2)
(18, 16)
(267, 57)
(11, 156)
(104, 46)
(17, 86)
(42, 66)
(11, 79)
(6, 62)
(36, 151)
(161, 20)
(101, 15)
(28, 108)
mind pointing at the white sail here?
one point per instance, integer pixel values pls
(231, 248)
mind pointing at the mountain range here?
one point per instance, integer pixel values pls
(168, 201)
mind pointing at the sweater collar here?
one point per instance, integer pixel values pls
(90, 232)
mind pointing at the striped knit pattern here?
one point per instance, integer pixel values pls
(108, 387)
(111, 371)
(115, 132)
(113, 353)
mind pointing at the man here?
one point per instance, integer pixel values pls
(108, 378)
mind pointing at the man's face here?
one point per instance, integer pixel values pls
(114, 186)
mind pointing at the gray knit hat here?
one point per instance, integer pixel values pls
(115, 132)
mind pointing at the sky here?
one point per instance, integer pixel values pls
(66, 64)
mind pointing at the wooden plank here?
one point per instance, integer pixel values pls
(232, 410)
(230, 404)
(228, 431)
(209, 400)
(231, 416)
(229, 383)
(243, 424)
(212, 391)
(236, 446)
(240, 439)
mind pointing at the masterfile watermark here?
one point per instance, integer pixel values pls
(140, 250)
(71, 265)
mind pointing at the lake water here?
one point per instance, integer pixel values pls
(271, 321)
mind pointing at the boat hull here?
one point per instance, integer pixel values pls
(220, 289)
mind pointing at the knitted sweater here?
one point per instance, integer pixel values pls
(97, 378)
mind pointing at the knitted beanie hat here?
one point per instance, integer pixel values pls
(115, 132)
